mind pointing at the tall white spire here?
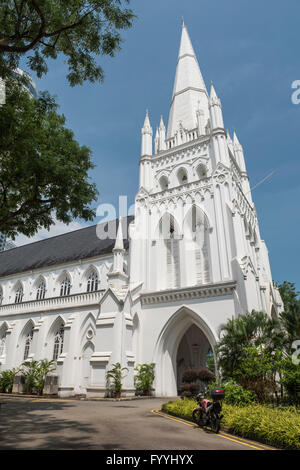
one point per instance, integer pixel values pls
(146, 148)
(189, 88)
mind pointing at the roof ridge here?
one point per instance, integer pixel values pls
(62, 234)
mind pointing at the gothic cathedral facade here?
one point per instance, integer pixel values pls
(190, 258)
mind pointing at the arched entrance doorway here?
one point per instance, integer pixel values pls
(183, 329)
(86, 366)
(192, 352)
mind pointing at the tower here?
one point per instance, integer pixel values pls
(195, 222)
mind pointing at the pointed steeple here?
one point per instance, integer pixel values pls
(216, 116)
(146, 148)
(239, 152)
(213, 94)
(147, 126)
(119, 245)
(162, 134)
(189, 88)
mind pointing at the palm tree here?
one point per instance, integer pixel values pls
(255, 329)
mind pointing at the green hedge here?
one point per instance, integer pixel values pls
(278, 427)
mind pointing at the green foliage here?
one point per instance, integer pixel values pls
(290, 379)
(234, 394)
(288, 293)
(256, 372)
(252, 330)
(44, 367)
(183, 408)
(79, 30)
(144, 378)
(7, 378)
(116, 374)
(290, 317)
(277, 427)
(35, 373)
(43, 169)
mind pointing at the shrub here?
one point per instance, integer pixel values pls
(7, 378)
(116, 374)
(235, 394)
(144, 378)
(290, 380)
(203, 374)
(189, 389)
(189, 375)
(278, 427)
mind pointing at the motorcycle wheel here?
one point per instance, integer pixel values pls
(215, 424)
(198, 417)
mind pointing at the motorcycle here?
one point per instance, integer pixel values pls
(208, 412)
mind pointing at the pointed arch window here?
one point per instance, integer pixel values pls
(164, 183)
(28, 341)
(201, 171)
(41, 290)
(58, 342)
(1, 295)
(182, 176)
(19, 295)
(171, 241)
(93, 281)
(65, 286)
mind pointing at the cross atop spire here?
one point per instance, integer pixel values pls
(189, 87)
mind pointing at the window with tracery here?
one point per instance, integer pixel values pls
(28, 342)
(41, 290)
(19, 295)
(93, 282)
(58, 342)
(65, 287)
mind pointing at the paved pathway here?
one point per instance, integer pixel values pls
(124, 425)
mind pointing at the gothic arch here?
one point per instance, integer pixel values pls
(38, 280)
(3, 330)
(55, 338)
(89, 323)
(162, 227)
(26, 334)
(54, 325)
(18, 288)
(182, 176)
(61, 277)
(163, 182)
(167, 346)
(196, 231)
(88, 271)
(201, 171)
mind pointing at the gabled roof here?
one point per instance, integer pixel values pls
(79, 244)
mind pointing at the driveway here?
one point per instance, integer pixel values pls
(27, 423)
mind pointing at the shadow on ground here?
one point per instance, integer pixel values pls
(42, 425)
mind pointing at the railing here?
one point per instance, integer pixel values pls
(53, 303)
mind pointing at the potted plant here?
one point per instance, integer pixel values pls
(144, 378)
(116, 375)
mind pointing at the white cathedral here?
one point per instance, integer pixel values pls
(191, 258)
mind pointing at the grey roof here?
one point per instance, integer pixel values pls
(79, 244)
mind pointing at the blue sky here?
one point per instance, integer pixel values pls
(250, 51)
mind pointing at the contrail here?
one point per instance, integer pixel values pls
(262, 181)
